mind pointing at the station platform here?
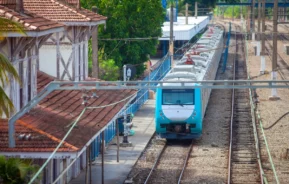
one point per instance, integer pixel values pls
(116, 172)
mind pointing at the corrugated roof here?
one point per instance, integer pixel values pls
(57, 11)
(55, 114)
(29, 21)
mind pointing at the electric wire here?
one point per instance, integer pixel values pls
(131, 39)
(278, 120)
(69, 131)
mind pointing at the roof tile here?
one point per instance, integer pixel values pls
(39, 141)
(29, 21)
(58, 11)
(56, 113)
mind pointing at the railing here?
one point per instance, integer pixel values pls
(142, 96)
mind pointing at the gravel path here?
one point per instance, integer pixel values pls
(270, 111)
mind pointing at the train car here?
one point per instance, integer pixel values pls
(179, 113)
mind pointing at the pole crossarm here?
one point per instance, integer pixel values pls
(118, 85)
(268, 4)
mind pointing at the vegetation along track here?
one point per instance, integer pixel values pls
(243, 165)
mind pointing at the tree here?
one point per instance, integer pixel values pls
(7, 69)
(108, 70)
(16, 171)
(129, 19)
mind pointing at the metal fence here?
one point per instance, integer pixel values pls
(134, 106)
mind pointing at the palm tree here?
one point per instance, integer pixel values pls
(16, 171)
(6, 68)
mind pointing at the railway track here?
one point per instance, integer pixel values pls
(243, 163)
(175, 153)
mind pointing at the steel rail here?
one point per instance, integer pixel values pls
(256, 137)
(185, 163)
(231, 119)
(155, 164)
(257, 146)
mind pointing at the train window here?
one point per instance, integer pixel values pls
(178, 97)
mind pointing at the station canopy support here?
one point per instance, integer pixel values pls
(118, 85)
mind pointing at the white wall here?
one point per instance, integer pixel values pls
(48, 59)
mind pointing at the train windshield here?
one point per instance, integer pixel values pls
(178, 97)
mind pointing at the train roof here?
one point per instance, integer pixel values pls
(195, 62)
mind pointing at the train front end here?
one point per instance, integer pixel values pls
(178, 113)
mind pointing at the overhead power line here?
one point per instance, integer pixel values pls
(131, 39)
(69, 131)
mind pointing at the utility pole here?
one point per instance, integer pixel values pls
(241, 12)
(187, 9)
(274, 57)
(259, 20)
(196, 9)
(233, 13)
(171, 50)
(253, 20)
(94, 43)
(263, 63)
(248, 21)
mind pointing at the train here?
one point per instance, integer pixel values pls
(179, 113)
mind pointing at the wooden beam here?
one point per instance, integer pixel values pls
(65, 66)
(95, 64)
(67, 31)
(43, 39)
(58, 55)
(81, 61)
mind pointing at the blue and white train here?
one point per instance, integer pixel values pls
(179, 112)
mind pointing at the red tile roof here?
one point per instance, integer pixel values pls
(38, 141)
(55, 114)
(57, 11)
(28, 20)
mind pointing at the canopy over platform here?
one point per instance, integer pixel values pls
(183, 31)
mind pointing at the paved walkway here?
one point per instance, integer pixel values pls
(116, 173)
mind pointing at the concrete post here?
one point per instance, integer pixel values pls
(274, 57)
(263, 62)
(259, 20)
(253, 20)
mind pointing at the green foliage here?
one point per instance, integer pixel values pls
(130, 19)
(108, 70)
(6, 69)
(237, 12)
(17, 171)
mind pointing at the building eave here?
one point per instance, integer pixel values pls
(39, 155)
(84, 23)
(64, 155)
(33, 33)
